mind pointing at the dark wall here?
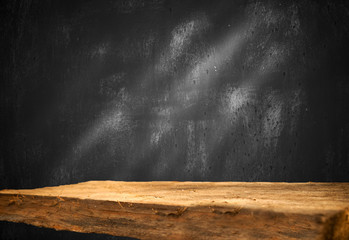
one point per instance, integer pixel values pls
(173, 90)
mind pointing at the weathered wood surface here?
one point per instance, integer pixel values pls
(186, 210)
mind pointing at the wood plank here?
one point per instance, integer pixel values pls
(186, 210)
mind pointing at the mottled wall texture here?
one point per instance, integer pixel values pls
(173, 90)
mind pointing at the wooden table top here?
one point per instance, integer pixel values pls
(314, 203)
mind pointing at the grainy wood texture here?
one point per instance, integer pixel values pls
(186, 210)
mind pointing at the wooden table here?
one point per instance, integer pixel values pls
(186, 210)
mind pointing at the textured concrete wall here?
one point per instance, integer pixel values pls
(174, 90)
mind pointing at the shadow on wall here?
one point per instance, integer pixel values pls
(188, 90)
(202, 88)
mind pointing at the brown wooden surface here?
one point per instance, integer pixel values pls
(186, 210)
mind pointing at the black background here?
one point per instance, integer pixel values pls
(171, 90)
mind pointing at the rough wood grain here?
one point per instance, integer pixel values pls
(186, 210)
